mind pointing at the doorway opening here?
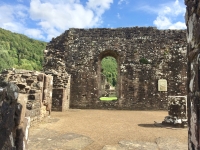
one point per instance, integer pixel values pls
(108, 76)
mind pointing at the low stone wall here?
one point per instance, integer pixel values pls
(35, 90)
(32, 105)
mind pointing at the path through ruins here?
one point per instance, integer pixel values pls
(106, 130)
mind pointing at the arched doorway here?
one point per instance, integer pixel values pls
(109, 86)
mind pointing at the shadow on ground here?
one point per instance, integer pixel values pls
(160, 125)
(148, 125)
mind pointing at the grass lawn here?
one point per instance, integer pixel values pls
(108, 98)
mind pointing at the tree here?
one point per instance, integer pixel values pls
(109, 67)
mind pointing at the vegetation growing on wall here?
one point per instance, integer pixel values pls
(109, 66)
(144, 61)
(19, 51)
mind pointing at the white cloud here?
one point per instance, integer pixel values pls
(168, 15)
(99, 6)
(54, 18)
(122, 1)
(12, 18)
(45, 19)
(118, 16)
(36, 33)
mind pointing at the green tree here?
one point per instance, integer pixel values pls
(109, 67)
(20, 51)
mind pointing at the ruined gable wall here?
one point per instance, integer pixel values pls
(83, 49)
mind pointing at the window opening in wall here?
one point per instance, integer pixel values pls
(108, 79)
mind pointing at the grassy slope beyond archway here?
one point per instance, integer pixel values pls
(108, 98)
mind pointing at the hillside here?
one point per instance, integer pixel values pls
(20, 51)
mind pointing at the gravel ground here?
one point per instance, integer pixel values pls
(108, 127)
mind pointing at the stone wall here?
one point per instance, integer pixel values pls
(35, 91)
(144, 55)
(193, 49)
(55, 66)
(32, 105)
(177, 111)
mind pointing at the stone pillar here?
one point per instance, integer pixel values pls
(192, 18)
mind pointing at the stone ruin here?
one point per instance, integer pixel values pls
(55, 66)
(192, 18)
(152, 73)
(145, 58)
(34, 90)
(177, 111)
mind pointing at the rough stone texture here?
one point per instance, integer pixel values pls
(35, 91)
(11, 135)
(193, 50)
(55, 66)
(79, 52)
(33, 102)
(177, 107)
(177, 110)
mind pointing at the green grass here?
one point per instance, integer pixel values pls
(108, 98)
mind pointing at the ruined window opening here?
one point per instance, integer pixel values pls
(109, 75)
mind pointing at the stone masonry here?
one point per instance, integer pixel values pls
(55, 66)
(192, 18)
(11, 135)
(31, 106)
(143, 54)
(35, 91)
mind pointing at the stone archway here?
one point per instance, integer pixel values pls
(115, 55)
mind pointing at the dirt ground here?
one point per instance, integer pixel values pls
(108, 127)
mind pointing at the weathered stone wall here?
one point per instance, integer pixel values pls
(55, 66)
(11, 134)
(177, 111)
(32, 103)
(35, 92)
(192, 18)
(81, 50)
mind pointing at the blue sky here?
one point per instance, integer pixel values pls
(44, 19)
